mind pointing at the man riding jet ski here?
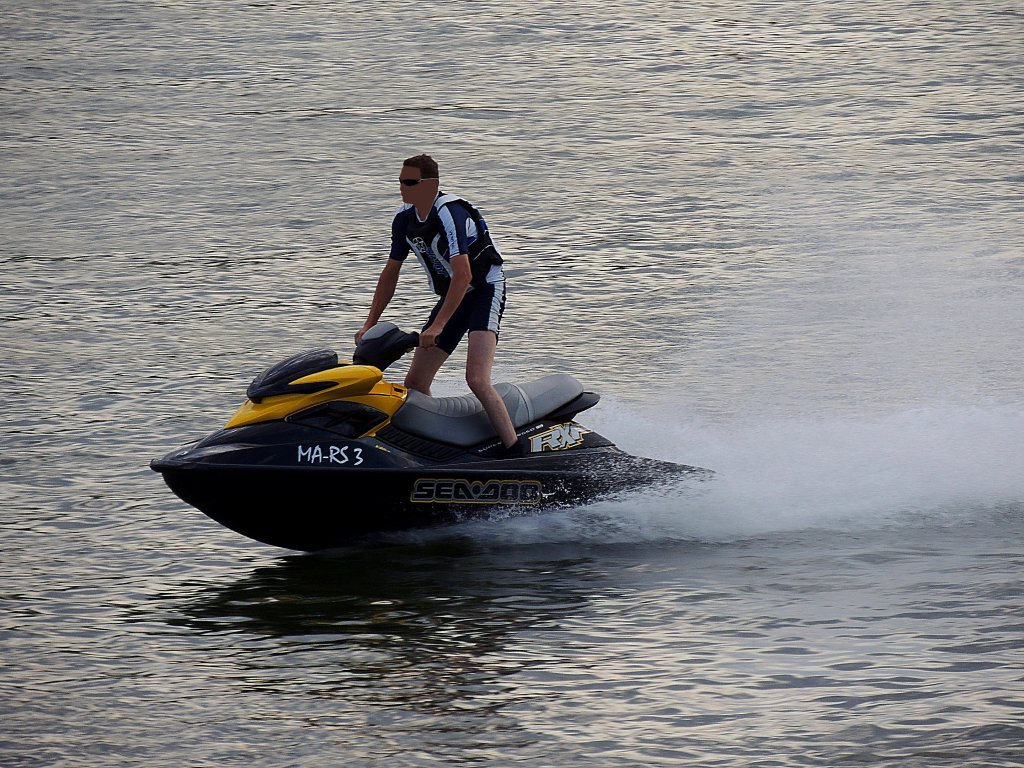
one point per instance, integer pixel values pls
(324, 452)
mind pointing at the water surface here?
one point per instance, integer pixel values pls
(783, 240)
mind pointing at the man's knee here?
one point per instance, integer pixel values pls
(478, 381)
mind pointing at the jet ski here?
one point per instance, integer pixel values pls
(325, 452)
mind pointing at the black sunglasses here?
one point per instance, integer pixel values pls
(411, 182)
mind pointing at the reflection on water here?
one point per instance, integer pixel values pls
(426, 627)
(394, 593)
(425, 641)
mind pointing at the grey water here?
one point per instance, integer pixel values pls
(784, 240)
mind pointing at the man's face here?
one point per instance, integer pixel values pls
(419, 194)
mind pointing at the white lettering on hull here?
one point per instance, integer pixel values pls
(332, 454)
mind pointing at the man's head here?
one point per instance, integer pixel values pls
(419, 180)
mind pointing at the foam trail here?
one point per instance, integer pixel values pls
(923, 466)
(834, 472)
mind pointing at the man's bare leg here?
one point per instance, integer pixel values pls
(425, 364)
(479, 360)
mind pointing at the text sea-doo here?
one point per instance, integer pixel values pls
(324, 452)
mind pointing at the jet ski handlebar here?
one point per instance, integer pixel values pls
(383, 344)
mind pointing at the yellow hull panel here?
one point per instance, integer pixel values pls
(355, 383)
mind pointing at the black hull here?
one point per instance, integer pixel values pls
(312, 508)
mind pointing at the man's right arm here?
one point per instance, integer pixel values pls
(382, 296)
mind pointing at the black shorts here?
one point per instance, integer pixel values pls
(480, 310)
